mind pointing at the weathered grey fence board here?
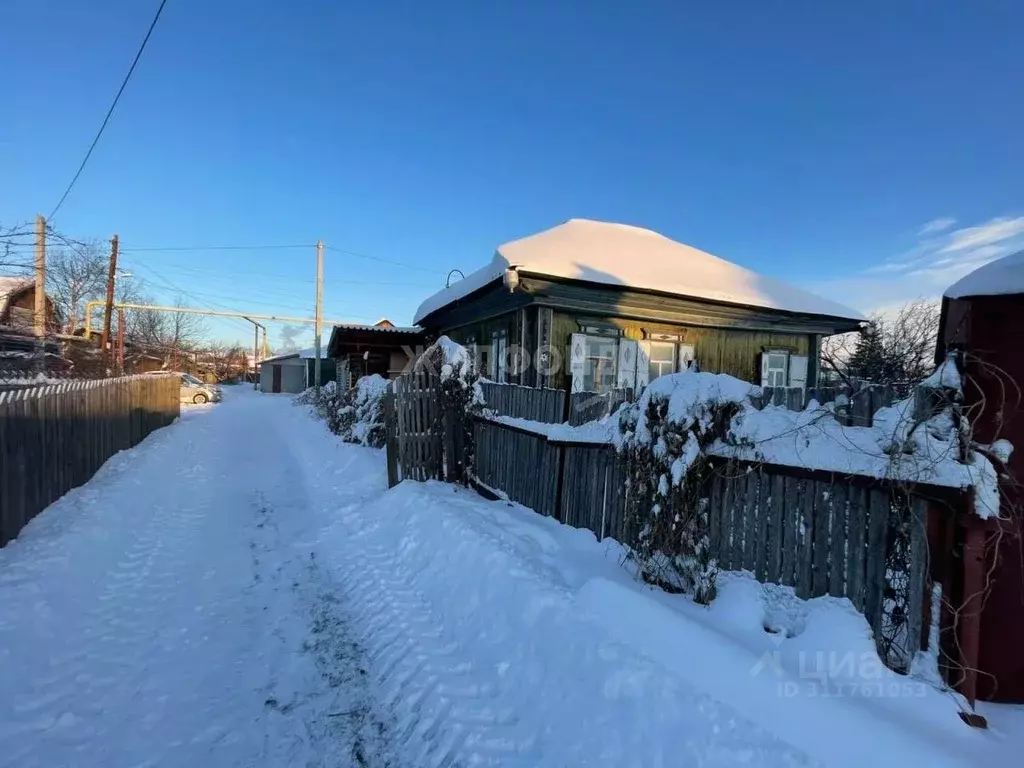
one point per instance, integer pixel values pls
(838, 497)
(918, 568)
(857, 544)
(878, 524)
(822, 516)
(750, 525)
(776, 529)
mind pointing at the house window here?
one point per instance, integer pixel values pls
(663, 358)
(499, 358)
(775, 370)
(599, 363)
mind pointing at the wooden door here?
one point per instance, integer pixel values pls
(276, 383)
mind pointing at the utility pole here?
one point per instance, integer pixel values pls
(319, 315)
(255, 356)
(111, 275)
(39, 310)
(120, 341)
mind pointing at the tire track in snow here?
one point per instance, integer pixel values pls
(445, 713)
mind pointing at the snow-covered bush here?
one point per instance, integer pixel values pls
(663, 438)
(356, 415)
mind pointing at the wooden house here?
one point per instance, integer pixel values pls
(593, 306)
(17, 306)
(382, 348)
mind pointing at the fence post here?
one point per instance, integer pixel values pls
(390, 435)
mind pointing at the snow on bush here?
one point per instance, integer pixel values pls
(664, 438)
(682, 419)
(356, 415)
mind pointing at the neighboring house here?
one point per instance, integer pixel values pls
(293, 372)
(382, 348)
(17, 306)
(596, 306)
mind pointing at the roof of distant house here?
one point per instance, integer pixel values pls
(997, 278)
(10, 285)
(633, 257)
(390, 328)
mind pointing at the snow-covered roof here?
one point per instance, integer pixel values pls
(997, 278)
(379, 328)
(624, 255)
(10, 285)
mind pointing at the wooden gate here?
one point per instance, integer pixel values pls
(415, 428)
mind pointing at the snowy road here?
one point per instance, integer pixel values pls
(241, 590)
(170, 613)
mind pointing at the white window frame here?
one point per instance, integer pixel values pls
(672, 362)
(773, 376)
(580, 357)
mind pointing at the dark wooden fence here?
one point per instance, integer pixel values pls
(545, 405)
(520, 465)
(826, 534)
(854, 404)
(592, 406)
(55, 437)
(819, 532)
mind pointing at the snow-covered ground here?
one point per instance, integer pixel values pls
(242, 590)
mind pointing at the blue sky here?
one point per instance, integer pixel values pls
(866, 151)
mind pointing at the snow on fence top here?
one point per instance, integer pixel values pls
(628, 256)
(997, 278)
(43, 387)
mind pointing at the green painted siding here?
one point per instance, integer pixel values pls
(718, 350)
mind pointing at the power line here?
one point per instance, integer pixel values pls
(392, 262)
(110, 111)
(190, 270)
(137, 249)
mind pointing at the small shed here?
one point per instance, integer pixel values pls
(294, 372)
(383, 348)
(983, 317)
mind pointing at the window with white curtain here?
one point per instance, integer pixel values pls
(599, 363)
(774, 368)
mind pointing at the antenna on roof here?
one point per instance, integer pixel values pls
(448, 280)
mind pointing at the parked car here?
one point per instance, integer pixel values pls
(195, 391)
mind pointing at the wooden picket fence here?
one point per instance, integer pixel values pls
(55, 437)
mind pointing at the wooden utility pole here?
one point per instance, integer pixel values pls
(39, 309)
(111, 275)
(319, 315)
(120, 341)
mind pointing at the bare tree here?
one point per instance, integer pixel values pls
(892, 348)
(75, 276)
(170, 334)
(16, 244)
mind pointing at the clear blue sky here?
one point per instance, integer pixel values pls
(810, 141)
